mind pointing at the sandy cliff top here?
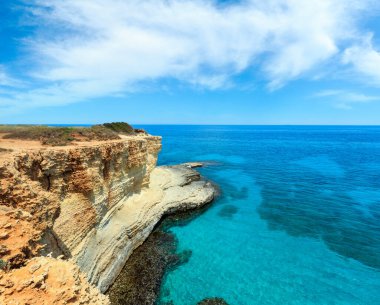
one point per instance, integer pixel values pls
(16, 138)
(8, 147)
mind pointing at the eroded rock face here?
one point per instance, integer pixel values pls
(19, 239)
(105, 250)
(93, 203)
(67, 191)
(46, 281)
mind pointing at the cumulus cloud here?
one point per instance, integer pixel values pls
(365, 59)
(92, 48)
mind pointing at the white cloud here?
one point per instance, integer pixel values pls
(92, 48)
(346, 99)
(365, 59)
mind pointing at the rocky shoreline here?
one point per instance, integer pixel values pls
(87, 207)
(140, 280)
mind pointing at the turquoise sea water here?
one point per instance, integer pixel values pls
(298, 220)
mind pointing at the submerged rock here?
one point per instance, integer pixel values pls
(140, 280)
(213, 301)
(228, 211)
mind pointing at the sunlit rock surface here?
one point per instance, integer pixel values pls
(91, 203)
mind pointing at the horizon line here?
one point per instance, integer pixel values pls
(185, 124)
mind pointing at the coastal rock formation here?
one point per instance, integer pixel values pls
(46, 281)
(63, 193)
(104, 252)
(140, 280)
(91, 203)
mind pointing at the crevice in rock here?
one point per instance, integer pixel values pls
(54, 246)
(106, 169)
(48, 182)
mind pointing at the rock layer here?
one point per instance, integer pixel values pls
(67, 191)
(105, 250)
(92, 203)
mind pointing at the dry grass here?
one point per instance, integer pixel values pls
(61, 136)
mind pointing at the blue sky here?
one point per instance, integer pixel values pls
(190, 62)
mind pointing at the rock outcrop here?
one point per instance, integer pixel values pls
(65, 192)
(91, 203)
(47, 281)
(104, 251)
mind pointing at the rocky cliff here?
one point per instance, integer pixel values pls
(90, 204)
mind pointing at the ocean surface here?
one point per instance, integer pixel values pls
(297, 221)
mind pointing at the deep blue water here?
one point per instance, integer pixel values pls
(298, 220)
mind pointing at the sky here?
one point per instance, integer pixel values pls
(190, 62)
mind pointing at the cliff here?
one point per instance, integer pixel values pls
(90, 204)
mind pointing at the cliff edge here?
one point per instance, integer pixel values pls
(83, 207)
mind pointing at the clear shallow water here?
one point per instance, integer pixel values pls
(298, 221)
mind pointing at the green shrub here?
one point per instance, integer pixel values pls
(3, 264)
(120, 127)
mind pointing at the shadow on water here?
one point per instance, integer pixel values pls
(239, 193)
(319, 210)
(228, 211)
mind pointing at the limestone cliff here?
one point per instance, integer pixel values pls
(104, 251)
(91, 203)
(65, 192)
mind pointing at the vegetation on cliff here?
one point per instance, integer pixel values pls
(120, 127)
(60, 136)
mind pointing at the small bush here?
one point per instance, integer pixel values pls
(120, 127)
(96, 132)
(3, 264)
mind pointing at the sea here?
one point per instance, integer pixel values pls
(297, 220)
